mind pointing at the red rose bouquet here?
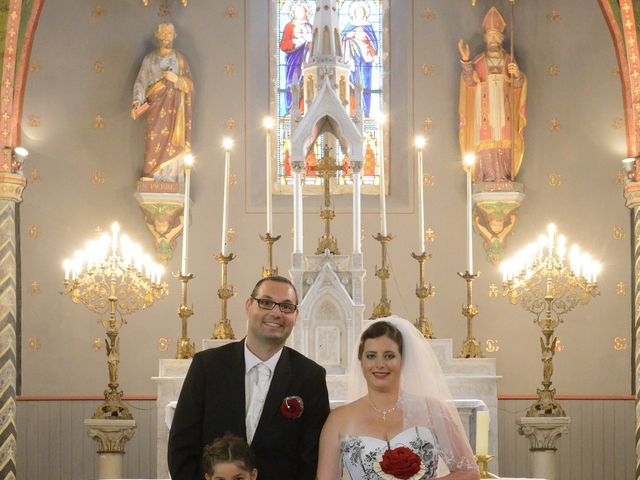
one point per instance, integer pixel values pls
(292, 407)
(399, 463)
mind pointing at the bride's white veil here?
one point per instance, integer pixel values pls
(425, 398)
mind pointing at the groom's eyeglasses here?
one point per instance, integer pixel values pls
(267, 304)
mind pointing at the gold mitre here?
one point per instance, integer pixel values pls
(493, 21)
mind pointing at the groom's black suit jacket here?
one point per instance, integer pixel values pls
(212, 403)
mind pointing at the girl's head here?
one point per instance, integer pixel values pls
(229, 458)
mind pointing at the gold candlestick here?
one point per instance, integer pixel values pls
(223, 330)
(269, 271)
(482, 461)
(423, 291)
(383, 308)
(470, 347)
(185, 348)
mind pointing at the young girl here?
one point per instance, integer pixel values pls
(229, 458)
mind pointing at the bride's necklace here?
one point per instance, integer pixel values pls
(384, 413)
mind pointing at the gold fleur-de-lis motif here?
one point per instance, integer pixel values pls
(619, 344)
(230, 124)
(618, 122)
(35, 287)
(621, 288)
(163, 344)
(553, 70)
(231, 235)
(34, 66)
(98, 122)
(555, 179)
(34, 121)
(492, 345)
(97, 230)
(615, 71)
(493, 290)
(559, 346)
(229, 69)
(618, 178)
(553, 15)
(230, 12)
(98, 66)
(97, 344)
(428, 69)
(554, 125)
(99, 11)
(427, 15)
(33, 343)
(618, 233)
(430, 235)
(233, 179)
(427, 125)
(429, 180)
(164, 10)
(35, 176)
(98, 178)
(33, 231)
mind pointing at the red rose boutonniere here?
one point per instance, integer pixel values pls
(292, 407)
(399, 463)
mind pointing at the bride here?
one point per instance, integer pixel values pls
(402, 421)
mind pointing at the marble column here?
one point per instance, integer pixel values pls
(543, 434)
(110, 435)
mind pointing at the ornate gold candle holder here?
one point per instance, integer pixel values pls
(383, 308)
(483, 461)
(269, 271)
(470, 346)
(423, 292)
(549, 285)
(223, 330)
(113, 279)
(185, 347)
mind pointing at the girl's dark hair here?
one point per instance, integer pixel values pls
(377, 330)
(229, 448)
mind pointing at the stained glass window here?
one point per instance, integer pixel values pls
(361, 25)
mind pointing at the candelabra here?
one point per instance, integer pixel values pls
(185, 347)
(470, 346)
(423, 291)
(269, 271)
(541, 280)
(383, 308)
(113, 279)
(223, 329)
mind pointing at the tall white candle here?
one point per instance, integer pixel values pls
(268, 125)
(383, 202)
(420, 142)
(469, 160)
(188, 162)
(482, 432)
(227, 143)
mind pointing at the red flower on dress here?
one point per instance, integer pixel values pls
(292, 407)
(400, 463)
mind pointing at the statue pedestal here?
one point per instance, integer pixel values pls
(110, 435)
(543, 434)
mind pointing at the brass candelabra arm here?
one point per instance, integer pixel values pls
(483, 461)
(185, 348)
(382, 273)
(470, 347)
(327, 214)
(222, 329)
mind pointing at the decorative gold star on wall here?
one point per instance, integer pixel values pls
(554, 125)
(229, 69)
(427, 15)
(617, 123)
(33, 343)
(430, 235)
(231, 235)
(97, 344)
(492, 345)
(230, 12)
(163, 344)
(233, 179)
(99, 11)
(555, 179)
(34, 66)
(35, 176)
(618, 178)
(615, 71)
(427, 125)
(34, 288)
(230, 124)
(429, 180)
(98, 178)
(621, 288)
(619, 344)
(553, 15)
(428, 69)
(619, 233)
(98, 122)
(553, 70)
(493, 290)
(34, 121)
(33, 231)
(98, 66)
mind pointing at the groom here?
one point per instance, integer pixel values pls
(257, 388)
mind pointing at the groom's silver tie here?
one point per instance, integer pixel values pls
(258, 396)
